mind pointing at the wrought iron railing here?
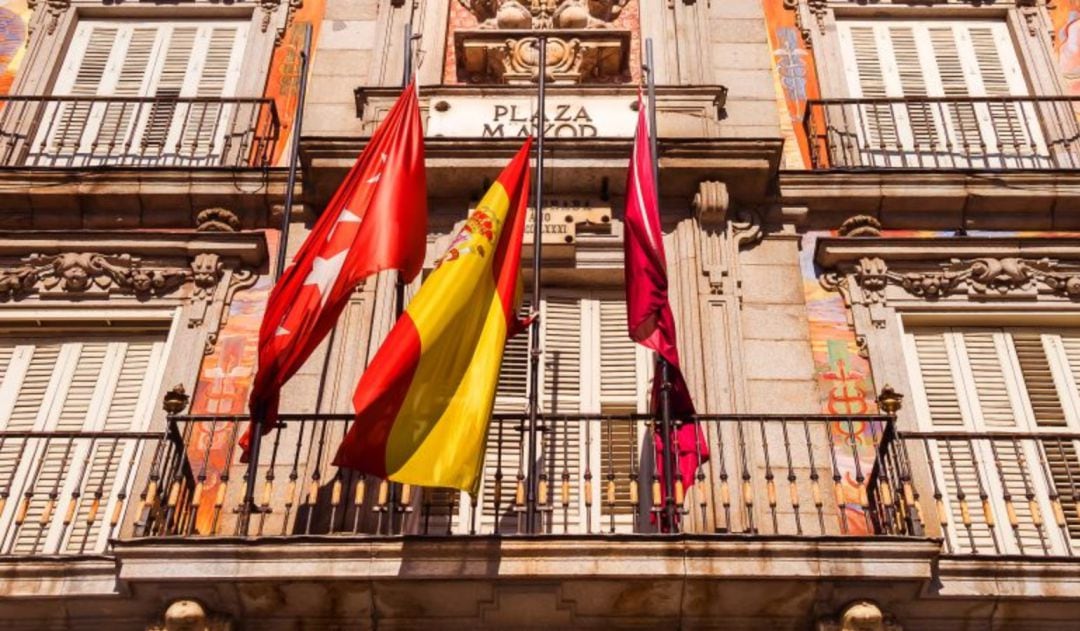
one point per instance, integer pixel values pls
(766, 475)
(1001, 493)
(989, 133)
(68, 492)
(144, 132)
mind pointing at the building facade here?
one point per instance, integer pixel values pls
(871, 214)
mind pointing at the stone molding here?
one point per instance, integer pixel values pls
(564, 14)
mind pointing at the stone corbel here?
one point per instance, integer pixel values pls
(711, 202)
(270, 7)
(746, 228)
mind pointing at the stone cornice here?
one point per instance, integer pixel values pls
(457, 167)
(833, 252)
(938, 200)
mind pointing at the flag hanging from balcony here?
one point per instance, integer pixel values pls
(424, 404)
(377, 220)
(649, 317)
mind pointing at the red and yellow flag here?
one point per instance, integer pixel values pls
(423, 406)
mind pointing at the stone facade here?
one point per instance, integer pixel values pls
(808, 292)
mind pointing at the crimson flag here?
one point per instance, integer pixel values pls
(377, 220)
(648, 311)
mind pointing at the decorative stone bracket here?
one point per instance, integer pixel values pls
(861, 615)
(90, 272)
(980, 278)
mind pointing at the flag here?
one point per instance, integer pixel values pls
(377, 220)
(424, 404)
(649, 317)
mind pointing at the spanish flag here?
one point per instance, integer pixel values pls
(423, 406)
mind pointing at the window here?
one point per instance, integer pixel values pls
(1018, 390)
(57, 385)
(945, 95)
(125, 94)
(590, 366)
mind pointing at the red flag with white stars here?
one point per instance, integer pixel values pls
(377, 220)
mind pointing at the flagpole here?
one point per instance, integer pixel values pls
(534, 344)
(665, 368)
(399, 285)
(279, 269)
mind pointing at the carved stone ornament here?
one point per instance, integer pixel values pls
(54, 9)
(979, 278)
(544, 14)
(217, 220)
(711, 201)
(862, 615)
(89, 272)
(190, 615)
(583, 46)
(860, 226)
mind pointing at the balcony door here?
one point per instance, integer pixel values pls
(142, 93)
(1018, 391)
(590, 366)
(951, 88)
(63, 494)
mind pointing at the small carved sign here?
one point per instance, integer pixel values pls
(564, 219)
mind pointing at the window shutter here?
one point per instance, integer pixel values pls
(1038, 379)
(88, 62)
(992, 398)
(868, 81)
(962, 487)
(505, 444)
(204, 127)
(620, 391)
(562, 441)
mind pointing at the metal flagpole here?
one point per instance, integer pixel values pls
(399, 286)
(667, 451)
(283, 247)
(534, 344)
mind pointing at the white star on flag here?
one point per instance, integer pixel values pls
(324, 272)
(375, 178)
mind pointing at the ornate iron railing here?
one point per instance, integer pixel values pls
(144, 132)
(986, 133)
(765, 475)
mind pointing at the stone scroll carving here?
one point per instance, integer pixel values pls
(90, 272)
(986, 277)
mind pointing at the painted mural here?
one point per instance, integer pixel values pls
(14, 18)
(1065, 15)
(283, 82)
(795, 78)
(224, 383)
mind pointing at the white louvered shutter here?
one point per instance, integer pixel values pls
(82, 385)
(506, 444)
(564, 324)
(623, 385)
(147, 58)
(940, 58)
(961, 484)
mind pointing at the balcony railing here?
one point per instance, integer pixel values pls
(990, 133)
(1005, 493)
(596, 474)
(67, 492)
(159, 131)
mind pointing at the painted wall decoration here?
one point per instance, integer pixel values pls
(283, 81)
(1065, 16)
(795, 77)
(223, 387)
(14, 18)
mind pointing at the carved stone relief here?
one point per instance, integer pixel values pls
(978, 278)
(862, 615)
(89, 272)
(582, 44)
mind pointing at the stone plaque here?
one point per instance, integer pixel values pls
(564, 218)
(515, 117)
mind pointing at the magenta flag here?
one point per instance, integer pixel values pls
(648, 310)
